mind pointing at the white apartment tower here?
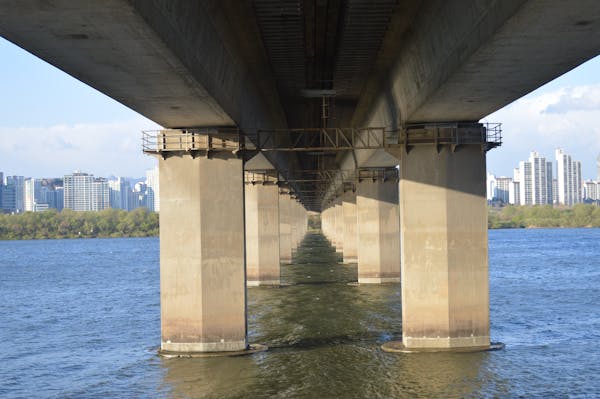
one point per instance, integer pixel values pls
(568, 178)
(100, 195)
(32, 194)
(535, 178)
(78, 191)
(503, 188)
(152, 190)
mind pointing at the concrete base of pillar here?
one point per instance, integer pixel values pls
(378, 280)
(251, 349)
(189, 347)
(399, 347)
(254, 283)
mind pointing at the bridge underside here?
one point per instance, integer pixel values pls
(365, 111)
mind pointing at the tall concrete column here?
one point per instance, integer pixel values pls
(445, 294)
(350, 227)
(202, 264)
(339, 225)
(295, 225)
(285, 228)
(262, 233)
(378, 229)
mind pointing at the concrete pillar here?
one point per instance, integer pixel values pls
(295, 225)
(339, 226)
(445, 294)
(326, 223)
(262, 234)
(378, 230)
(285, 228)
(202, 264)
(350, 233)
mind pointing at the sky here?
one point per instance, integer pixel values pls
(51, 124)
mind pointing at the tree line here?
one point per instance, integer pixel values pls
(143, 223)
(580, 215)
(69, 224)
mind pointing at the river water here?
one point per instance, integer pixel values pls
(80, 319)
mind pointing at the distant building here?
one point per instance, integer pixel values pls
(569, 181)
(535, 178)
(34, 194)
(120, 194)
(152, 190)
(138, 196)
(503, 188)
(514, 193)
(100, 195)
(591, 190)
(13, 194)
(78, 191)
(56, 198)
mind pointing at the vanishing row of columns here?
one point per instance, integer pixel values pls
(275, 226)
(218, 234)
(429, 230)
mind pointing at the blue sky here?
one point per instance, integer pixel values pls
(52, 124)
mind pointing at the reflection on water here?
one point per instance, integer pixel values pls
(324, 337)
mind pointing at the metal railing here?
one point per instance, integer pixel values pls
(489, 135)
(191, 140)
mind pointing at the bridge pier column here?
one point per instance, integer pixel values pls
(378, 230)
(285, 227)
(262, 234)
(339, 225)
(202, 276)
(326, 223)
(350, 227)
(443, 214)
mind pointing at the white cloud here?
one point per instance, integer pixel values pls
(100, 148)
(568, 118)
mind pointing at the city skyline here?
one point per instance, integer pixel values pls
(78, 191)
(51, 122)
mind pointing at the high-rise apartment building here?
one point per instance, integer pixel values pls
(491, 187)
(78, 191)
(535, 178)
(503, 188)
(100, 195)
(152, 190)
(120, 194)
(33, 194)
(569, 182)
(514, 193)
(591, 190)
(56, 198)
(15, 192)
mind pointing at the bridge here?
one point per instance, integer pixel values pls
(367, 112)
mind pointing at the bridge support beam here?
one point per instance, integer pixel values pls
(262, 234)
(443, 214)
(378, 231)
(350, 227)
(202, 276)
(285, 227)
